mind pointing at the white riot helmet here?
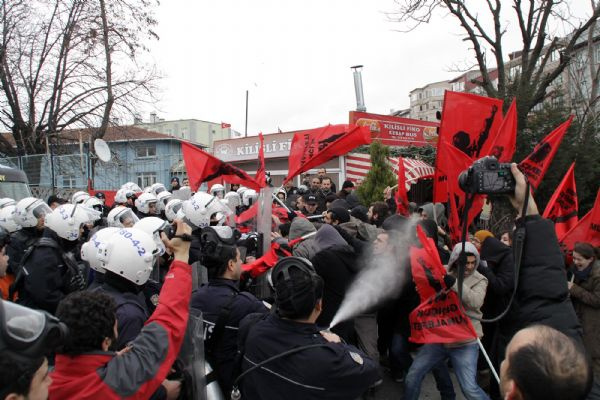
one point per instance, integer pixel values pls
(144, 202)
(79, 197)
(233, 200)
(28, 210)
(201, 207)
(171, 209)
(163, 198)
(241, 191)
(121, 217)
(122, 194)
(90, 249)
(157, 188)
(153, 226)
(7, 220)
(6, 201)
(129, 253)
(65, 220)
(218, 190)
(94, 202)
(249, 197)
(131, 186)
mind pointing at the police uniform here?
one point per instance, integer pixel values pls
(334, 371)
(210, 299)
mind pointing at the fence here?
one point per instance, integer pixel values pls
(67, 173)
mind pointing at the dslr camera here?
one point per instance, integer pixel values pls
(487, 176)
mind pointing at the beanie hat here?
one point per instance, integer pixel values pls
(482, 235)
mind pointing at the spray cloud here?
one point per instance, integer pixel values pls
(382, 278)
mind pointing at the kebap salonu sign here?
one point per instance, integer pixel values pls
(276, 145)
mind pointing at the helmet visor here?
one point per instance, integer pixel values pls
(127, 218)
(40, 210)
(22, 324)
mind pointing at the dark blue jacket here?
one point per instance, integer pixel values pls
(210, 299)
(335, 371)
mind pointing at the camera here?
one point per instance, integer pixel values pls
(487, 176)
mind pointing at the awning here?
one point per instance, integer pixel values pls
(358, 165)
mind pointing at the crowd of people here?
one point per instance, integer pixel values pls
(98, 300)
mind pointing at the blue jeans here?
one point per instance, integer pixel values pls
(464, 361)
(401, 360)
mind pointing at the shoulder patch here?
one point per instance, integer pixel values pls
(356, 357)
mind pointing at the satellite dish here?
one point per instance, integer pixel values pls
(102, 150)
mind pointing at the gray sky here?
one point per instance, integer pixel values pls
(294, 57)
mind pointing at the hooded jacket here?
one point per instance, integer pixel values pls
(336, 262)
(474, 285)
(306, 248)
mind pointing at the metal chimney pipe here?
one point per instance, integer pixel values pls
(358, 88)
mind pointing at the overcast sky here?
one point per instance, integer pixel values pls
(294, 57)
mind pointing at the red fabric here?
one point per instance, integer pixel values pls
(78, 378)
(225, 125)
(269, 260)
(109, 194)
(401, 195)
(562, 207)
(261, 173)
(314, 147)
(438, 319)
(587, 229)
(453, 220)
(248, 214)
(469, 123)
(536, 164)
(202, 167)
(503, 145)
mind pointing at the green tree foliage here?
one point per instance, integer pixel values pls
(379, 177)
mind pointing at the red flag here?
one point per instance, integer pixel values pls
(261, 173)
(225, 125)
(401, 195)
(587, 229)
(202, 167)
(248, 214)
(536, 164)
(438, 319)
(562, 207)
(503, 145)
(469, 122)
(314, 147)
(278, 250)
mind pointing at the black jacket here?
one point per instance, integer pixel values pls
(337, 266)
(19, 242)
(500, 273)
(542, 294)
(334, 371)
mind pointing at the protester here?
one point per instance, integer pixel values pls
(315, 185)
(378, 212)
(311, 205)
(337, 370)
(85, 366)
(221, 302)
(347, 188)
(5, 281)
(175, 184)
(479, 237)
(506, 237)
(322, 173)
(23, 379)
(584, 288)
(544, 364)
(306, 248)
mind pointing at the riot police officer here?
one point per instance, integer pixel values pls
(221, 302)
(50, 270)
(319, 366)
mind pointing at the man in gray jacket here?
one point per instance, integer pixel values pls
(306, 248)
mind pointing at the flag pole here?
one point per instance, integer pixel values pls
(487, 358)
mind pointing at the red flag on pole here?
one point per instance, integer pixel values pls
(503, 145)
(401, 195)
(225, 125)
(439, 318)
(536, 164)
(314, 147)
(562, 207)
(587, 229)
(261, 173)
(202, 167)
(469, 123)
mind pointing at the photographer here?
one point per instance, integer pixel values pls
(221, 302)
(86, 368)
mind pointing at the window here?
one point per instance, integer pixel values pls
(145, 151)
(554, 56)
(437, 92)
(69, 181)
(146, 179)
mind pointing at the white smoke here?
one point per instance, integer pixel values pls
(382, 278)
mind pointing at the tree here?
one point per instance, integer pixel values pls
(542, 58)
(70, 64)
(379, 176)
